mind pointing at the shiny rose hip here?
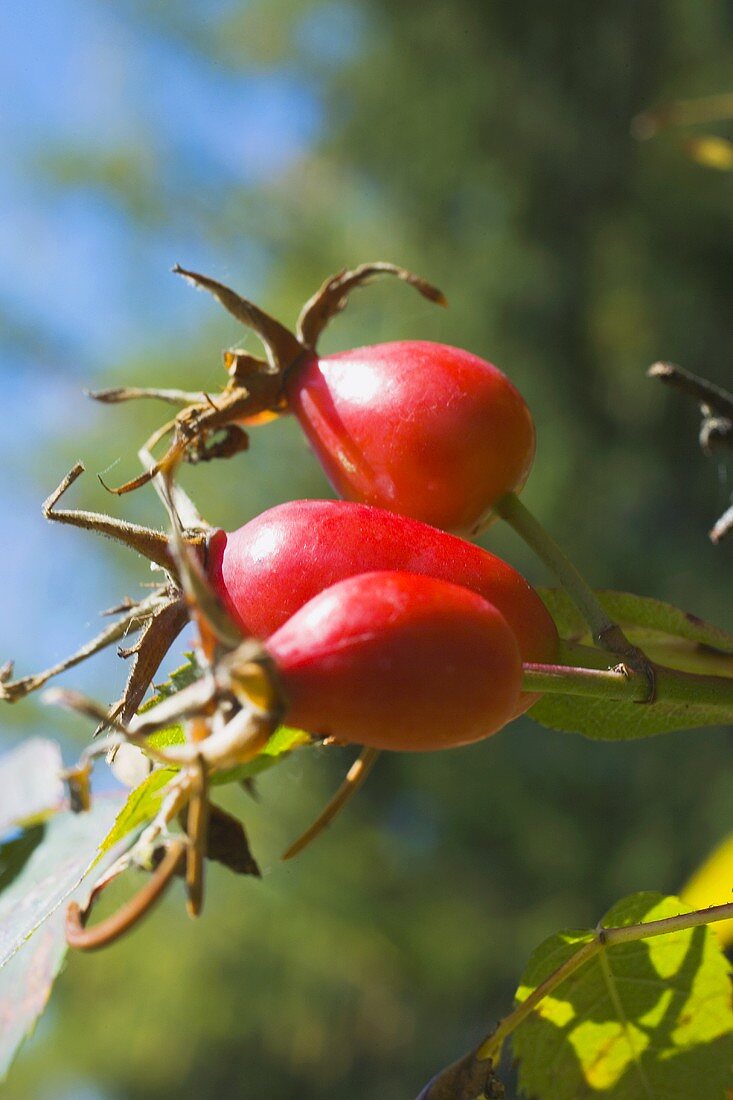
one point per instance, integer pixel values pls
(419, 428)
(398, 661)
(265, 571)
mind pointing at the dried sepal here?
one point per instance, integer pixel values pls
(355, 779)
(153, 545)
(134, 618)
(281, 346)
(333, 296)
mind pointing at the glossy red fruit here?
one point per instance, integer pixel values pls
(268, 569)
(422, 429)
(398, 661)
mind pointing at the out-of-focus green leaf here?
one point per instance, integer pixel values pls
(711, 152)
(644, 620)
(30, 783)
(650, 1019)
(32, 918)
(16, 851)
(669, 637)
(54, 869)
(26, 982)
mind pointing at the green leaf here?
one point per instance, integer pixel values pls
(30, 783)
(16, 851)
(650, 1019)
(140, 808)
(605, 720)
(282, 742)
(669, 637)
(644, 620)
(181, 678)
(145, 800)
(32, 917)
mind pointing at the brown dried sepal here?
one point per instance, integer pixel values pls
(254, 393)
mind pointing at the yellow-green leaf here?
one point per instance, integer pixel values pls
(645, 1020)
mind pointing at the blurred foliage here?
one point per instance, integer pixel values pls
(488, 147)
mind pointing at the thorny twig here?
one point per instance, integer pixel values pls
(716, 430)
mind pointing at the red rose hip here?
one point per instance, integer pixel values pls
(265, 571)
(423, 429)
(398, 661)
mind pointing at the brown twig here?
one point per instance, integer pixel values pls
(704, 392)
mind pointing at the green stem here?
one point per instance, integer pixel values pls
(672, 686)
(604, 938)
(511, 509)
(607, 633)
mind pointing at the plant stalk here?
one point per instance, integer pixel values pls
(606, 633)
(626, 685)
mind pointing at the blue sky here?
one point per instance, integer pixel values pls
(78, 279)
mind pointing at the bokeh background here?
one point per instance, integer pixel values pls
(268, 143)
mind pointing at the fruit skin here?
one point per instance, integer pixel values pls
(398, 661)
(423, 429)
(265, 571)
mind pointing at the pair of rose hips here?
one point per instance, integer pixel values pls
(386, 630)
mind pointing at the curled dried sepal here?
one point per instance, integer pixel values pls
(254, 393)
(355, 779)
(135, 617)
(129, 914)
(78, 782)
(153, 545)
(281, 346)
(723, 527)
(333, 296)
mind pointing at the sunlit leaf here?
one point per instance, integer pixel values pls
(30, 783)
(141, 807)
(282, 742)
(712, 884)
(650, 1019)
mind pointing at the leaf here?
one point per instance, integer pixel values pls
(25, 985)
(145, 800)
(181, 678)
(605, 720)
(141, 807)
(16, 851)
(711, 152)
(32, 917)
(227, 843)
(645, 621)
(669, 637)
(30, 783)
(283, 741)
(712, 884)
(650, 1019)
(54, 869)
